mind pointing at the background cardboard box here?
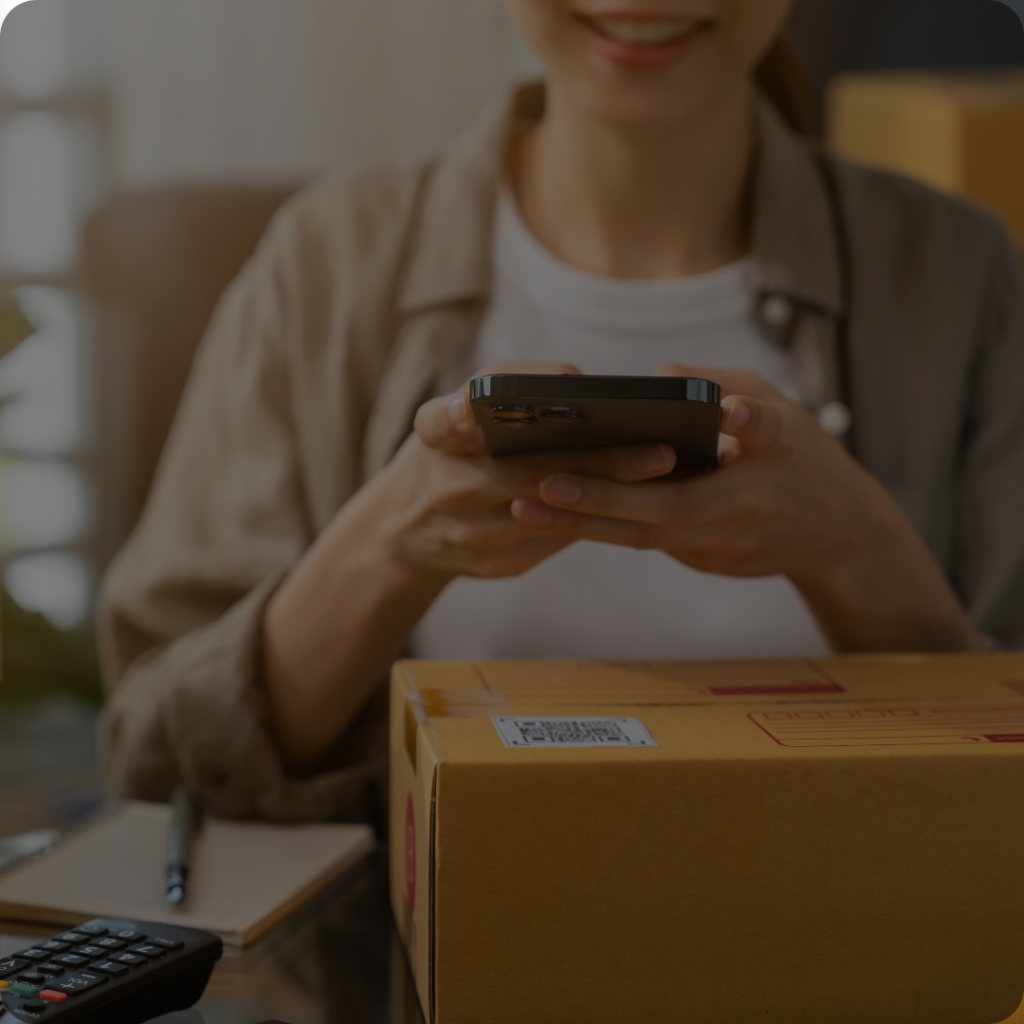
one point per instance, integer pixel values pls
(808, 841)
(962, 133)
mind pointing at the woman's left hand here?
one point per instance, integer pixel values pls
(787, 500)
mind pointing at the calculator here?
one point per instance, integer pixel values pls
(108, 971)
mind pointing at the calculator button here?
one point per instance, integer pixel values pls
(129, 936)
(53, 997)
(73, 984)
(111, 943)
(90, 951)
(91, 929)
(131, 959)
(54, 946)
(71, 960)
(35, 955)
(152, 952)
(73, 937)
(12, 967)
(108, 967)
(172, 945)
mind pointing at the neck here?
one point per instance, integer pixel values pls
(638, 202)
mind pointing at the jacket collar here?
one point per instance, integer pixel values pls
(794, 245)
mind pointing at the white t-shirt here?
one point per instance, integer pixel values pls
(596, 600)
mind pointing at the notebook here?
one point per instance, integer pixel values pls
(245, 877)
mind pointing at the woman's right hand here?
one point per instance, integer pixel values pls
(440, 509)
(448, 502)
(452, 501)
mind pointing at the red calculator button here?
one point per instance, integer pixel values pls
(53, 997)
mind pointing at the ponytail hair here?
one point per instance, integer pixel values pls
(786, 80)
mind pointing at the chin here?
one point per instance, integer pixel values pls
(648, 99)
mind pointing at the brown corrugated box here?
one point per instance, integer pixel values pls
(962, 132)
(839, 840)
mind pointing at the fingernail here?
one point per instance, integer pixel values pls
(532, 513)
(655, 458)
(737, 413)
(458, 410)
(561, 490)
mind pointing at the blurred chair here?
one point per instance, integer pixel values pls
(154, 264)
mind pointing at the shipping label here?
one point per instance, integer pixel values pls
(572, 732)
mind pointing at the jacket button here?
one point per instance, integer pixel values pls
(835, 419)
(777, 311)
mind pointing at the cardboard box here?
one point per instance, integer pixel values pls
(839, 840)
(962, 133)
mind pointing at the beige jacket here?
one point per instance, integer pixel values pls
(365, 286)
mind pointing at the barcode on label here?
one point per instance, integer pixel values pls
(572, 732)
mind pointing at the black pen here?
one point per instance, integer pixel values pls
(179, 843)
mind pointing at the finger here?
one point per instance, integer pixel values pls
(713, 498)
(705, 547)
(576, 526)
(470, 485)
(492, 531)
(732, 382)
(447, 424)
(628, 464)
(532, 512)
(729, 450)
(625, 463)
(660, 504)
(757, 425)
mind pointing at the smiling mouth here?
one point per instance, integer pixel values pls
(648, 33)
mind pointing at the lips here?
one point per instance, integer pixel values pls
(640, 40)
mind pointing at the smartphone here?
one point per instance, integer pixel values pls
(521, 413)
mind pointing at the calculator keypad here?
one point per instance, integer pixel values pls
(148, 951)
(171, 945)
(110, 943)
(53, 946)
(109, 967)
(71, 960)
(45, 983)
(130, 959)
(76, 984)
(11, 967)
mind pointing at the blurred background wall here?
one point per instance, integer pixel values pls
(275, 90)
(99, 98)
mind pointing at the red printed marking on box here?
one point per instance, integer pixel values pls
(893, 727)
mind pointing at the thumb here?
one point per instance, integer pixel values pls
(757, 425)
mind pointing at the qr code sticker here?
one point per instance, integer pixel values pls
(572, 732)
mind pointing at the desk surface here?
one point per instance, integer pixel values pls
(338, 962)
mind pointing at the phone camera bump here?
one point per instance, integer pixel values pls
(561, 416)
(513, 415)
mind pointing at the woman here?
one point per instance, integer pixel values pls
(648, 208)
